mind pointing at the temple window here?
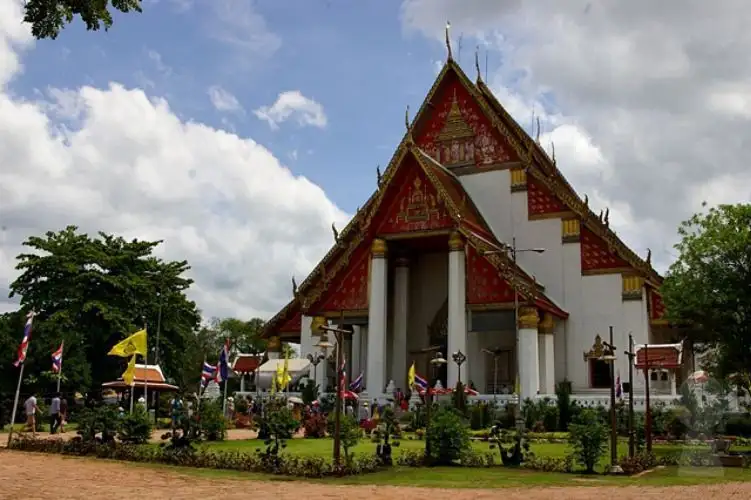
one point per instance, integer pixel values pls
(599, 374)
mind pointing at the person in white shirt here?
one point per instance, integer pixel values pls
(30, 407)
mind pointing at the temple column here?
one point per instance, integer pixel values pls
(546, 349)
(356, 352)
(274, 348)
(401, 315)
(364, 351)
(528, 357)
(307, 340)
(457, 315)
(375, 381)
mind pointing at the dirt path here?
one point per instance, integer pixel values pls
(32, 476)
(156, 435)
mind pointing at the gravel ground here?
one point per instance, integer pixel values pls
(31, 476)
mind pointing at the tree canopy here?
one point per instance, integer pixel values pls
(93, 292)
(709, 285)
(49, 17)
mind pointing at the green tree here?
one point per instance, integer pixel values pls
(91, 293)
(588, 437)
(49, 17)
(708, 287)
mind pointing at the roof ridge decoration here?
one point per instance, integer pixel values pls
(554, 180)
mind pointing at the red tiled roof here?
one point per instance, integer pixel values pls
(246, 363)
(659, 356)
(151, 373)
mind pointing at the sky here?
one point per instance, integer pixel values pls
(237, 131)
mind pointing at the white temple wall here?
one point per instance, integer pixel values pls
(428, 290)
(479, 366)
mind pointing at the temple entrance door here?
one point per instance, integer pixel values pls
(438, 335)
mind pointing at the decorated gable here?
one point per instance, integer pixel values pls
(414, 204)
(350, 293)
(484, 284)
(293, 325)
(656, 306)
(541, 202)
(596, 257)
(456, 133)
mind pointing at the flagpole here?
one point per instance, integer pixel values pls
(15, 403)
(60, 371)
(146, 372)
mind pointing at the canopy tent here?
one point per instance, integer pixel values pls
(298, 368)
(149, 376)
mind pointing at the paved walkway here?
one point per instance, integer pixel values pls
(38, 476)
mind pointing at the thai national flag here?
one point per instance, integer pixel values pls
(421, 382)
(343, 374)
(222, 368)
(26, 338)
(207, 374)
(57, 359)
(618, 386)
(356, 384)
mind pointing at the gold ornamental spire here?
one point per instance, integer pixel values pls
(477, 64)
(455, 127)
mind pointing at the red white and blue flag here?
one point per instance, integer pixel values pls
(57, 359)
(421, 383)
(207, 375)
(26, 338)
(356, 385)
(222, 367)
(618, 386)
(343, 374)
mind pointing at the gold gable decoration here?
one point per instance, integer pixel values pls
(518, 180)
(632, 287)
(455, 144)
(570, 230)
(597, 351)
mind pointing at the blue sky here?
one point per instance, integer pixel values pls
(354, 58)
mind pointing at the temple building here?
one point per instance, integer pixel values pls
(474, 241)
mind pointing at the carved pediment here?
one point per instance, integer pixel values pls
(455, 144)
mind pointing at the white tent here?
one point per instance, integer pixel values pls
(297, 368)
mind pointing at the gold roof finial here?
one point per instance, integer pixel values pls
(552, 147)
(294, 287)
(649, 256)
(379, 176)
(335, 231)
(537, 134)
(607, 216)
(477, 64)
(448, 40)
(408, 125)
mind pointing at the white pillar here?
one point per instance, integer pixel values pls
(401, 315)
(375, 381)
(457, 320)
(673, 384)
(364, 351)
(307, 340)
(546, 350)
(242, 382)
(356, 352)
(528, 357)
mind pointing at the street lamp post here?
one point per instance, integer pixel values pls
(339, 334)
(513, 251)
(459, 358)
(609, 357)
(315, 359)
(435, 363)
(631, 436)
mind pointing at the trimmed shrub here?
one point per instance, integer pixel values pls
(448, 436)
(589, 438)
(135, 428)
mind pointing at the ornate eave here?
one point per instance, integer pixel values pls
(543, 168)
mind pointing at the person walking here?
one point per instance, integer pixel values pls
(55, 414)
(63, 414)
(30, 408)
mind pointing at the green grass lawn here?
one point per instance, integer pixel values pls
(496, 477)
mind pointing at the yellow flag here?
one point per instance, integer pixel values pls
(411, 376)
(130, 373)
(286, 378)
(135, 344)
(279, 376)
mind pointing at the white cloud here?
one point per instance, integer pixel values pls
(648, 103)
(118, 160)
(223, 100)
(292, 104)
